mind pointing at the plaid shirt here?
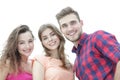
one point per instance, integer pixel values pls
(97, 56)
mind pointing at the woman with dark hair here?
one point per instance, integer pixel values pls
(14, 62)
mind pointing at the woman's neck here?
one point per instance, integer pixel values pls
(24, 59)
(26, 65)
(54, 54)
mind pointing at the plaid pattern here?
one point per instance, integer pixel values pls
(97, 56)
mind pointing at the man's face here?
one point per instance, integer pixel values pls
(71, 27)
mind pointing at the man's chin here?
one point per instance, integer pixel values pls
(73, 39)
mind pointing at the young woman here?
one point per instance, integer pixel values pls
(54, 65)
(14, 62)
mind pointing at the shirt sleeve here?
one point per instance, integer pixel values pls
(107, 44)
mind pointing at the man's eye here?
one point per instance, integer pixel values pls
(73, 22)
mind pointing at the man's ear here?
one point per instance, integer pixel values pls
(81, 22)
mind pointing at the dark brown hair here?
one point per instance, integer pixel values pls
(10, 51)
(66, 11)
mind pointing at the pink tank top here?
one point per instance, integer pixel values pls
(20, 76)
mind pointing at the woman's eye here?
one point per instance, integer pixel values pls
(52, 34)
(64, 26)
(21, 42)
(45, 38)
(30, 41)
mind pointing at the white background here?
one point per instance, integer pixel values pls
(96, 15)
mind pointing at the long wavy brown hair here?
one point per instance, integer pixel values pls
(10, 52)
(61, 52)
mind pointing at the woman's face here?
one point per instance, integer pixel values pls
(25, 44)
(49, 39)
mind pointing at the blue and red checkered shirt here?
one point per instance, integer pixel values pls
(96, 56)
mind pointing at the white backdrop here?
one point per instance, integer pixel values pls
(96, 14)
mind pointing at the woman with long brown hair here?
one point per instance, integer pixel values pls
(54, 65)
(14, 62)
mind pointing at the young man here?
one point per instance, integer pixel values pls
(97, 54)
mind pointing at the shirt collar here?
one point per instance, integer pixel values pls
(80, 43)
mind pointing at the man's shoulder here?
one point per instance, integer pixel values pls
(100, 32)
